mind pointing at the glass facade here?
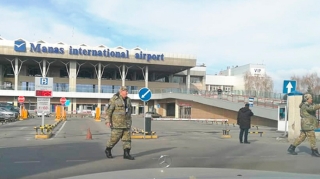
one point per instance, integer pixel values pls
(27, 86)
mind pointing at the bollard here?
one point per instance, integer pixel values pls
(225, 134)
(97, 117)
(58, 113)
(24, 114)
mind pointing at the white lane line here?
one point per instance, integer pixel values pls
(23, 128)
(27, 162)
(76, 160)
(59, 130)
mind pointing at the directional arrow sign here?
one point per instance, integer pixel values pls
(145, 94)
(289, 86)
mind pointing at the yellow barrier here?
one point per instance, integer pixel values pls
(58, 113)
(97, 116)
(45, 132)
(64, 114)
(24, 114)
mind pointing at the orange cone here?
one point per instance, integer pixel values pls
(89, 135)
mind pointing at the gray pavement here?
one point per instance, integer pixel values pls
(188, 144)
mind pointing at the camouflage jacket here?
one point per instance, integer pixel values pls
(119, 114)
(309, 120)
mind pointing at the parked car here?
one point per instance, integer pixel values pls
(154, 114)
(15, 113)
(7, 115)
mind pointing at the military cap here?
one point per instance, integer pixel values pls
(123, 88)
(307, 96)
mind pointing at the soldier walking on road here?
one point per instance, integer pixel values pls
(244, 121)
(118, 118)
(309, 123)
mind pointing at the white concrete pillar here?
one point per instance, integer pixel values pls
(99, 103)
(74, 105)
(99, 78)
(188, 81)
(294, 120)
(44, 68)
(123, 75)
(176, 109)
(73, 76)
(16, 74)
(146, 76)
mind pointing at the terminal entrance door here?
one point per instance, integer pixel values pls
(185, 112)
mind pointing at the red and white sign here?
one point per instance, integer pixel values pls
(21, 99)
(43, 105)
(63, 100)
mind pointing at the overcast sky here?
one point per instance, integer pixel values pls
(282, 34)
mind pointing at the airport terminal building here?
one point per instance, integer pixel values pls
(89, 76)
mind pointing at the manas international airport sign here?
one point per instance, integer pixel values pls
(20, 46)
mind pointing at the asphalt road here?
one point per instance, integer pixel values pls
(187, 144)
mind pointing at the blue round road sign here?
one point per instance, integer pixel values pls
(67, 103)
(145, 94)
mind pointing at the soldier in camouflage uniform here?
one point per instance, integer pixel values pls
(118, 117)
(309, 123)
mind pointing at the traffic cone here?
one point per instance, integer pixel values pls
(89, 135)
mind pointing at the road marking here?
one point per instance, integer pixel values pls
(22, 128)
(59, 130)
(27, 162)
(76, 160)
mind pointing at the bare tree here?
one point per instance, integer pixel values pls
(310, 80)
(257, 83)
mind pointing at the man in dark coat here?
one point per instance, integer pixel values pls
(244, 121)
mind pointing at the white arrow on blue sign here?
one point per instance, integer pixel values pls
(145, 94)
(289, 86)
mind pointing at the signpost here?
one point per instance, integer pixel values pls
(43, 92)
(145, 95)
(21, 100)
(288, 87)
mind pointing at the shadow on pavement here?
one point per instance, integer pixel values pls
(304, 149)
(20, 162)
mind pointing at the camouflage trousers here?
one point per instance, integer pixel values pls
(311, 136)
(116, 135)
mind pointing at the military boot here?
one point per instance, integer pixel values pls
(291, 150)
(126, 154)
(315, 153)
(108, 152)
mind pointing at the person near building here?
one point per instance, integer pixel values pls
(219, 93)
(118, 118)
(309, 123)
(244, 122)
